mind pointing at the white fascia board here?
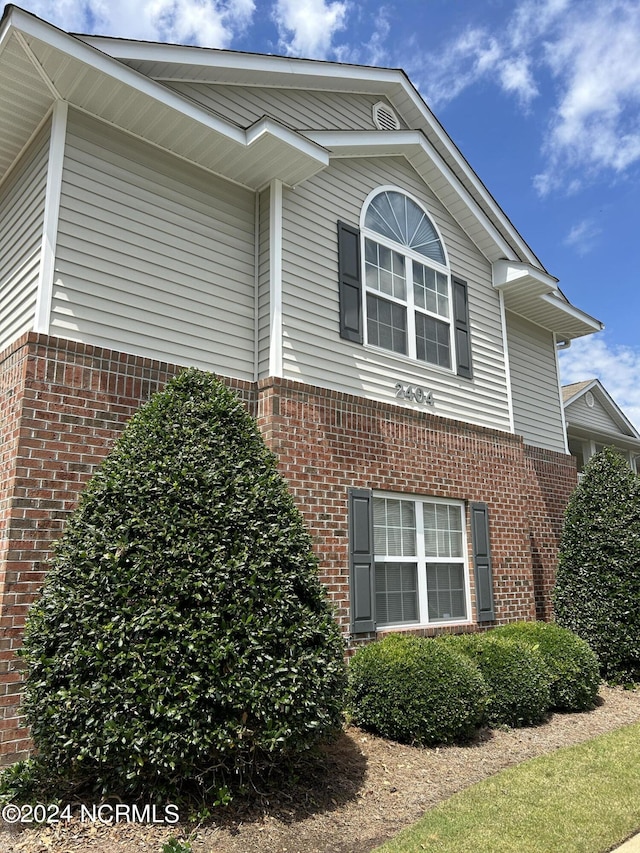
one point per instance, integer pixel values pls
(174, 54)
(27, 24)
(268, 127)
(372, 143)
(468, 172)
(609, 404)
(580, 393)
(109, 66)
(629, 442)
(5, 33)
(508, 274)
(384, 79)
(572, 311)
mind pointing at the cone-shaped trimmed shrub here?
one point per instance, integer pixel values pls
(515, 673)
(572, 664)
(597, 592)
(182, 633)
(416, 690)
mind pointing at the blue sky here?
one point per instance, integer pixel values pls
(541, 96)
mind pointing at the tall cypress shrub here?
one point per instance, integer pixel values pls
(182, 635)
(597, 592)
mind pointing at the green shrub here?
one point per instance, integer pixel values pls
(597, 592)
(415, 690)
(572, 664)
(516, 675)
(183, 637)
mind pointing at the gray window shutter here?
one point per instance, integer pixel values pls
(482, 561)
(461, 325)
(350, 283)
(361, 561)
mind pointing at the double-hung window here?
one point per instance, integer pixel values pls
(408, 302)
(421, 573)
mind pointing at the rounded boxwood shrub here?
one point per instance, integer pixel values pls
(183, 636)
(415, 690)
(515, 673)
(597, 591)
(572, 664)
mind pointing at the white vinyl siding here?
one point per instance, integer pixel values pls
(537, 412)
(314, 352)
(593, 418)
(153, 256)
(22, 201)
(299, 109)
(264, 296)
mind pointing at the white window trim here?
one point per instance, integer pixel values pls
(409, 304)
(422, 561)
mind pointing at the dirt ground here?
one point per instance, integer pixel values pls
(360, 793)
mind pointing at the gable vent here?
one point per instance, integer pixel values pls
(384, 117)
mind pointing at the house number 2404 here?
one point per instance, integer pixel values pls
(414, 392)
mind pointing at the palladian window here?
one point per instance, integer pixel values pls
(407, 282)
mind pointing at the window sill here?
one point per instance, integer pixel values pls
(422, 626)
(413, 362)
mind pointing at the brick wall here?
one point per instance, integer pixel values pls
(62, 404)
(551, 479)
(328, 441)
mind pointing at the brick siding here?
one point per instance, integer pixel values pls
(62, 404)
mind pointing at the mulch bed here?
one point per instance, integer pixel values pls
(358, 794)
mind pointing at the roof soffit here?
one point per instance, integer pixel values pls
(50, 62)
(193, 64)
(534, 294)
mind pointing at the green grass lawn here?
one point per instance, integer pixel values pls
(582, 799)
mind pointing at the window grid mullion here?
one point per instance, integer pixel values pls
(411, 315)
(423, 602)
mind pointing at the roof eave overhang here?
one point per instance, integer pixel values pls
(418, 151)
(134, 103)
(172, 62)
(534, 295)
(608, 403)
(628, 442)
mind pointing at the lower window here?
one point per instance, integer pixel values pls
(420, 566)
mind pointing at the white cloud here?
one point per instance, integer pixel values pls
(447, 72)
(588, 51)
(595, 59)
(209, 23)
(516, 77)
(617, 367)
(307, 27)
(583, 236)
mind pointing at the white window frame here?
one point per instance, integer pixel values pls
(421, 560)
(409, 303)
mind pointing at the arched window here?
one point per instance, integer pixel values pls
(408, 300)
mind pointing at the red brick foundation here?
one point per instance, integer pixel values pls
(62, 404)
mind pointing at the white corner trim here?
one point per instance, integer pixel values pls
(560, 400)
(256, 283)
(51, 213)
(507, 363)
(275, 279)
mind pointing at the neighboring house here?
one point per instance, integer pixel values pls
(308, 231)
(595, 421)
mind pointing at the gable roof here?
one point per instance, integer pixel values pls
(577, 392)
(125, 83)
